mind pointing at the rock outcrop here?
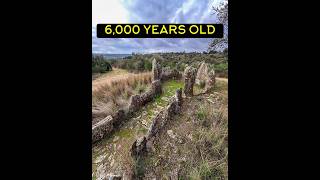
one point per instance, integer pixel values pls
(145, 143)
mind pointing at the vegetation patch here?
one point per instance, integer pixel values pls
(175, 60)
(100, 64)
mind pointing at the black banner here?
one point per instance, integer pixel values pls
(159, 30)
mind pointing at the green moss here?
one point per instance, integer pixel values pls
(126, 133)
(171, 86)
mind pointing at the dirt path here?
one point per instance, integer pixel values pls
(111, 155)
(222, 79)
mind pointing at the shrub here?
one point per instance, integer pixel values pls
(100, 65)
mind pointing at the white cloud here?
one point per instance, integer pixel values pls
(108, 11)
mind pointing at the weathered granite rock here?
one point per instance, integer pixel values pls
(118, 117)
(113, 177)
(139, 147)
(102, 128)
(155, 126)
(202, 73)
(145, 144)
(178, 96)
(169, 112)
(156, 87)
(101, 172)
(210, 84)
(137, 101)
(156, 70)
(189, 80)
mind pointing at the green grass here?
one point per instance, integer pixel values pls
(126, 133)
(205, 171)
(201, 114)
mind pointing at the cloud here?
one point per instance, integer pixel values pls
(150, 11)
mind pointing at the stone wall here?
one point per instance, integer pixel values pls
(106, 126)
(139, 100)
(102, 128)
(142, 145)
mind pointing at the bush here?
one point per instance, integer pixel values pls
(100, 65)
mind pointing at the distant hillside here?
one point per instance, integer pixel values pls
(114, 56)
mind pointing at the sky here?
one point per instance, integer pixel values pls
(150, 11)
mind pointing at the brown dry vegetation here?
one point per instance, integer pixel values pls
(113, 90)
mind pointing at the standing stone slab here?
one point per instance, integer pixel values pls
(138, 147)
(156, 87)
(156, 70)
(210, 84)
(202, 73)
(155, 126)
(118, 117)
(135, 103)
(178, 99)
(178, 96)
(189, 80)
(102, 128)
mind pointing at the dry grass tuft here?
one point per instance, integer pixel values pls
(116, 92)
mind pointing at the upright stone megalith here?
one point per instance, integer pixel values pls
(189, 80)
(135, 103)
(202, 73)
(178, 96)
(156, 87)
(156, 70)
(210, 84)
(138, 148)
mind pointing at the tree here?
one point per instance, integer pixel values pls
(221, 11)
